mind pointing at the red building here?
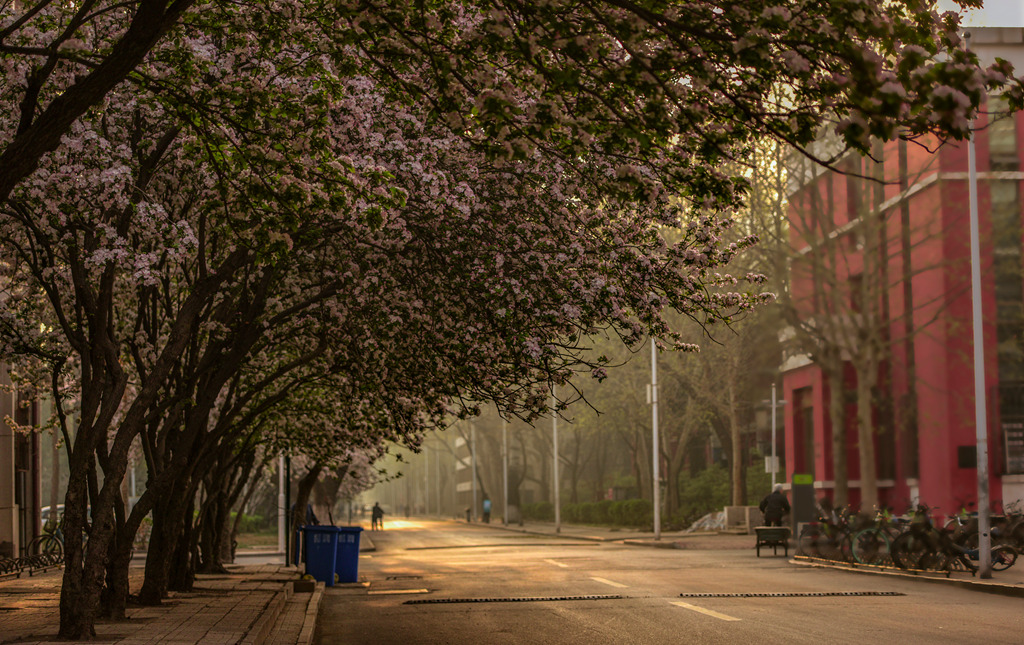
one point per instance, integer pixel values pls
(880, 283)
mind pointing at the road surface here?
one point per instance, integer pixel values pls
(446, 582)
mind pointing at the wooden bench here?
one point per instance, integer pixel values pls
(773, 536)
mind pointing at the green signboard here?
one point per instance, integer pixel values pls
(803, 479)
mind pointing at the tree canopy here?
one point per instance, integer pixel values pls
(214, 215)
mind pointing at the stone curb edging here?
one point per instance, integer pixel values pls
(565, 536)
(264, 625)
(312, 612)
(656, 545)
(985, 587)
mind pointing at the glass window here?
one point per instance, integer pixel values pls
(1002, 136)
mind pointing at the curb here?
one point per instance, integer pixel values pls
(312, 612)
(264, 625)
(997, 588)
(565, 536)
(656, 545)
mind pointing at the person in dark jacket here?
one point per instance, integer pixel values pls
(774, 506)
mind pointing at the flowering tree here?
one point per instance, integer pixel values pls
(440, 198)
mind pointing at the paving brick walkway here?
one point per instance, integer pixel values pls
(248, 605)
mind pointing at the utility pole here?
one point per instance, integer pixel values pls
(554, 439)
(472, 439)
(980, 404)
(655, 461)
(504, 465)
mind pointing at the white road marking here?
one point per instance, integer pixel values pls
(392, 592)
(608, 582)
(708, 612)
(557, 564)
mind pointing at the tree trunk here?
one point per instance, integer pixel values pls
(837, 417)
(168, 524)
(866, 440)
(738, 489)
(79, 595)
(182, 575)
(298, 512)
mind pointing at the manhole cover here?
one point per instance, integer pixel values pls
(791, 594)
(442, 601)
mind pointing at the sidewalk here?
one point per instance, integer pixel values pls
(254, 603)
(251, 604)
(1009, 582)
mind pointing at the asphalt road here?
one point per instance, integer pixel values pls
(592, 593)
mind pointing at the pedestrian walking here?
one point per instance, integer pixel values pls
(774, 506)
(377, 517)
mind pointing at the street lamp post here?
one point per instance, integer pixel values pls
(655, 465)
(775, 458)
(504, 465)
(980, 404)
(554, 439)
(472, 438)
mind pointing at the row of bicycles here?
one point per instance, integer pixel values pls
(913, 541)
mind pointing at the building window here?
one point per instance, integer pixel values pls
(1002, 136)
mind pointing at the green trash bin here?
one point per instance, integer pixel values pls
(347, 562)
(321, 546)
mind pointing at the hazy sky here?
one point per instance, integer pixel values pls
(995, 13)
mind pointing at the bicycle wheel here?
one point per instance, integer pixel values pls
(909, 550)
(832, 546)
(808, 543)
(959, 562)
(45, 543)
(870, 546)
(1003, 557)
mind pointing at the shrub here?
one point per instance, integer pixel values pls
(250, 523)
(632, 512)
(542, 511)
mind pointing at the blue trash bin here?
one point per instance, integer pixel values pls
(347, 565)
(321, 546)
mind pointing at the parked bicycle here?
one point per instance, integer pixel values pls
(829, 536)
(871, 542)
(924, 546)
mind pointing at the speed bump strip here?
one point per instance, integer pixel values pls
(791, 594)
(441, 601)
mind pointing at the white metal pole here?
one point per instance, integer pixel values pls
(775, 462)
(554, 439)
(980, 414)
(281, 523)
(472, 438)
(504, 464)
(655, 462)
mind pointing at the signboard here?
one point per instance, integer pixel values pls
(803, 479)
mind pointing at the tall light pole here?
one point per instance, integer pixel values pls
(472, 439)
(554, 439)
(437, 473)
(775, 458)
(980, 404)
(655, 462)
(504, 465)
(282, 521)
